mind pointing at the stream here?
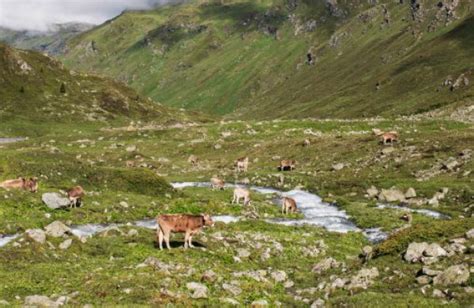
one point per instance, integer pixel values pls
(315, 212)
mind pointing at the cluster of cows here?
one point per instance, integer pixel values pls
(192, 224)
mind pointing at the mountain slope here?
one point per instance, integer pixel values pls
(51, 42)
(294, 58)
(38, 91)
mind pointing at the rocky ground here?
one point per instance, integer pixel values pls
(426, 261)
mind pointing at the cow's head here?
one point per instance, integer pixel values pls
(207, 220)
(31, 184)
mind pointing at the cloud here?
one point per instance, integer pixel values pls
(41, 14)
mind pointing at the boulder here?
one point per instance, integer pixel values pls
(199, 290)
(338, 166)
(410, 193)
(363, 279)
(434, 250)
(57, 229)
(259, 303)
(55, 201)
(387, 151)
(325, 265)
(232, 289)
(319, 303)
(415, 252)
(470, 233)
(279, 276)
(372, 192)
(40, 301)
(423, 279)
(36, 235)
(66, 244)
(209, 276)
(429, 272)
(456, 274)
(391, 195)
(243, 253)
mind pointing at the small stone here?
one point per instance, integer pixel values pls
(423, 279)
(338, 167)
(232, 289)
(36, 235)
(410, 193)
(259, 303)
(319, 303)
(456, 274)
(131, 148)
(55, 201)
(434, 250)
(57, 229)
(199, 290)
(209, 276)
(279, 276)
(40, 301)
(288, 284)
(243, 253)
(470, 234)
(439, 294)
(66, 244)
(132, 233)
(415, 252)
(429, 272)
(124, 204)
(372, 192)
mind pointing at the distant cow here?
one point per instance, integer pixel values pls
(193, 160)
(288, 205)
(30, 184)
(217, 183)
(181, 223)
(75, 195)
(287, 165)
(241, 193)
(390, 137)
(242, 164)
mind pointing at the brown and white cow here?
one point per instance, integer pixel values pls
(287, 165)
(30, 184)
(181, 223)
(241, 193)
(217, 183)
(288, 205)
(75, 195)
(389, 137)
(242, 164)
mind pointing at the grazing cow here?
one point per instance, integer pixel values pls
(217, 183)
(286, 165)
(389, 137)
(30, 184)
(288, 205)
(193, 160)
(181, 223)
(239, 193)
(75, 195)
(242, 164)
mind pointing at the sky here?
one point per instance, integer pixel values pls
(38, 15)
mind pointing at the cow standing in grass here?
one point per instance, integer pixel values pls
(75, 196)
(181, 223)
(288, 206)
(30, 184)
(217, 183)
(241, 193)
(287, 165)
(242, 164)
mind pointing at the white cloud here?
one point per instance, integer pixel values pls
(40, 14)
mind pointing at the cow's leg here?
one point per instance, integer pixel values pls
(191, 240)
(186, 239)
(160, 238)
(167, 239)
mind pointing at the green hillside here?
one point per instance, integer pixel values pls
(250, 58)
(38, 92)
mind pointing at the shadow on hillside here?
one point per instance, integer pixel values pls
(463, 33)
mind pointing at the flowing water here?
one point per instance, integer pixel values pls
(315, 212)
(10, 140)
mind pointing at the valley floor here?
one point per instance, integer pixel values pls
(249, 262)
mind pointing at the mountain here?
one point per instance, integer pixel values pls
(37, 91)
(51, 42)
(292, 58)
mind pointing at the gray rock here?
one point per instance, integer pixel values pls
(325, 265)
(434, 250)
(4, 303)
(429, 272)
(415, 252)
(372, 192)
(363, 279)
(259, 303)
(410, 193)
(209, 276)
(319, 303)
(36, 235)
(57, 229)
(199, 290)
(54, 200)
(456, 274)
(470, 233)
(338, 166)
(387, 151)
(40, 301)
(438, 293)
(423, 279)
(232, 289)
(66, 244)
(391, 195)
(279, 276)
(243, 253)
(230, 301)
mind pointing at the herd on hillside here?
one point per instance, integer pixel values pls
(192, 224)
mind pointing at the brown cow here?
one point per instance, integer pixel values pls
(75, 195)
(288, 205)
(242, 164)
(287, 165)
(181, 223)
(217, 183)
(389, 137)
(239, 193)
(30, 184)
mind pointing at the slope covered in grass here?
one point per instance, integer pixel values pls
(250, 58)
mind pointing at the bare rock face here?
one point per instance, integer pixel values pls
(456, 274)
